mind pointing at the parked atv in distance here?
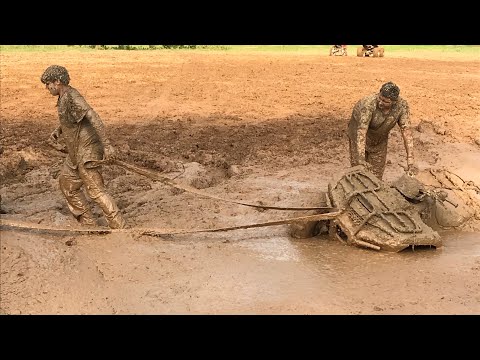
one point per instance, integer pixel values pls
(370, 51)
(338, 50)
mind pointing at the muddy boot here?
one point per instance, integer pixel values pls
(87, 219)
(118, 222)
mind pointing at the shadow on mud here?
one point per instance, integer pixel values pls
(161, 143)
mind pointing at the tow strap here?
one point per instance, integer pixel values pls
(160, 232)
(156, 231)
(165, 180)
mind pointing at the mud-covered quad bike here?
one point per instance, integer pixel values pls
(443, 199)
(376, 215)
(380, 216)
(338, 50)
(370, 51)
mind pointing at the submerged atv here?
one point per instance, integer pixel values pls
(338, 50)
(443, 199)
(408, 213)
(375, 215)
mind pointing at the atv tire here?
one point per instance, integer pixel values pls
(378, 52)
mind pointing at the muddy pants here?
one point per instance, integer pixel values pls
(375, 155)
(71, 182)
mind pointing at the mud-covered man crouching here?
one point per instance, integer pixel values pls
(373, 117)
(83, 133)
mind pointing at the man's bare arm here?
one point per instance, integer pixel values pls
(408, 142)
(54, 140)
(361, 144)
(412, 168)
(56, 133)
(97, 124)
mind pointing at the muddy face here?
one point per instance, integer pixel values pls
(384, 103)
(53, 88)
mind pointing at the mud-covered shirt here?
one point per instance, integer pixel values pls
(368, 120)
(81, 139)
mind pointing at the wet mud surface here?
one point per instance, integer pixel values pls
(267, 128)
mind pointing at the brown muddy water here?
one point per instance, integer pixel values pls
(241, 272)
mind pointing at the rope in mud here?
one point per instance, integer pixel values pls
(160, 232)
(153, 175)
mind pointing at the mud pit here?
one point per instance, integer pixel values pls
(250, 127)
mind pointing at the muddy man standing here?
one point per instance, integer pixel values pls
(373, 118)
(83, 133)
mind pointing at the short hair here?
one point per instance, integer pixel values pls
(390, 90)
(55, 72)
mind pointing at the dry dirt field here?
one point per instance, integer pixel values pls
(267, 127)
